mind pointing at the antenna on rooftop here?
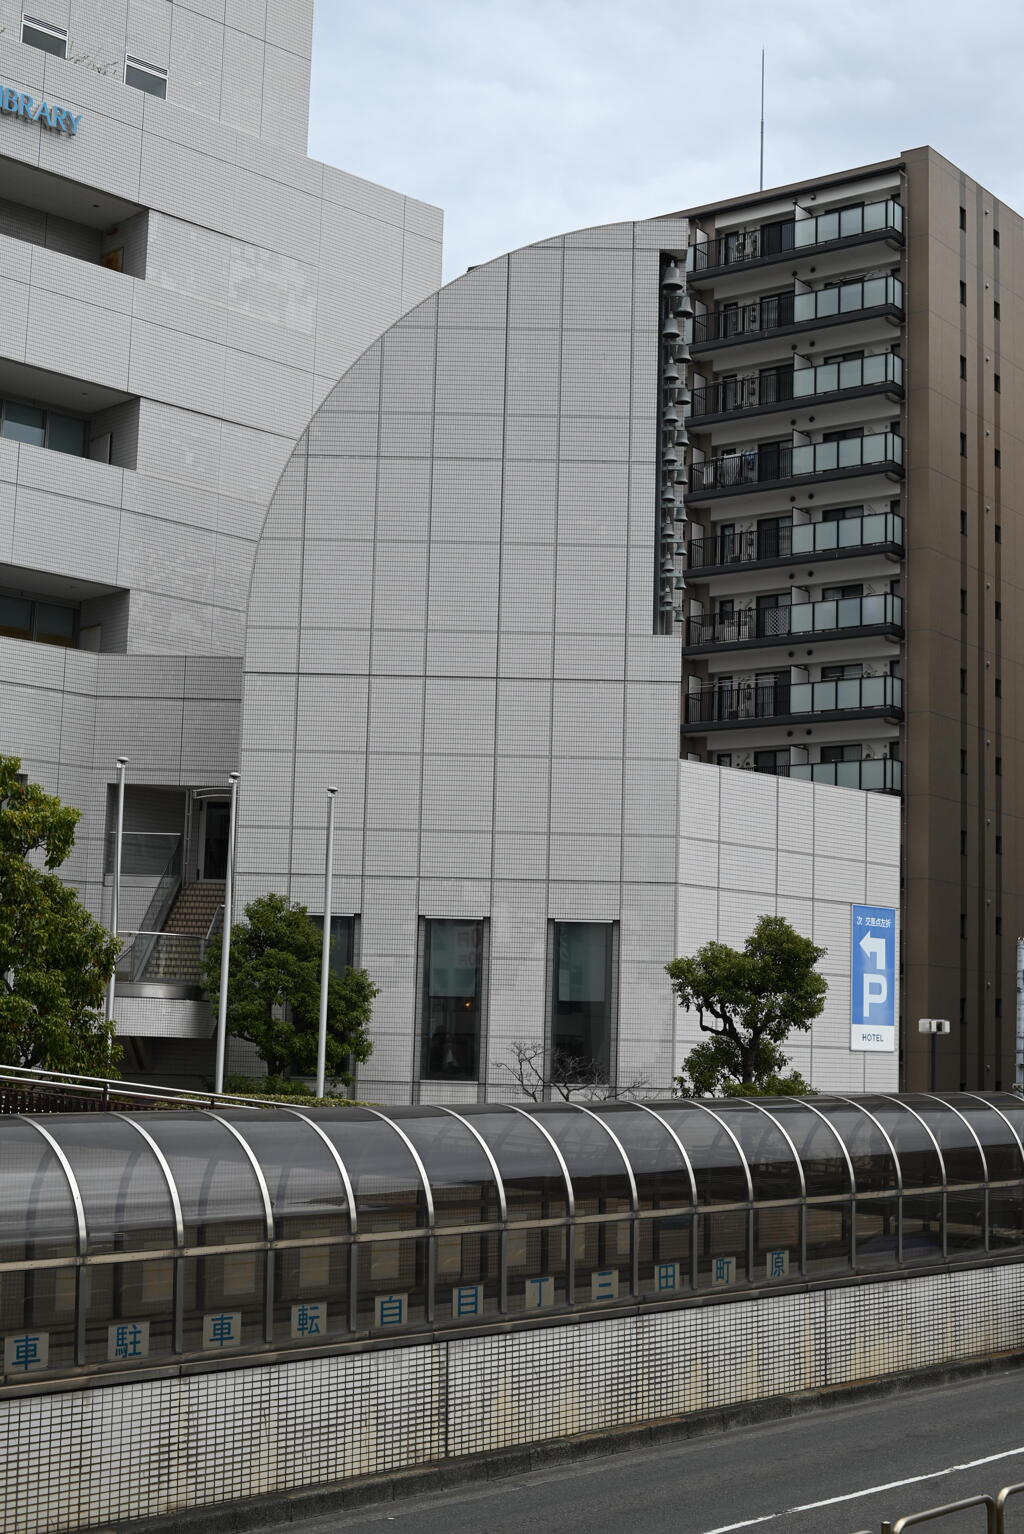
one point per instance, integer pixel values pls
(760, 184)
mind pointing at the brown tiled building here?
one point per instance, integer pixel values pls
(848, 400)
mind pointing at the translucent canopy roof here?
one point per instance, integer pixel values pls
(83, 1184)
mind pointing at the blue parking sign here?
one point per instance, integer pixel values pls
(872, 977)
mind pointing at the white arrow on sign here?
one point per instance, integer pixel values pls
(874, 946)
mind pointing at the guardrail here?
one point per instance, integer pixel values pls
(995, 1512)
(103, 1091)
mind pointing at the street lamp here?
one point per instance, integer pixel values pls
(325, 948)
(225, 952)
(115, 893)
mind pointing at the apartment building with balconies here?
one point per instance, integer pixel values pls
(838, 461)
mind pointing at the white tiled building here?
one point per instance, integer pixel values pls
(181, 286)
(455, 619)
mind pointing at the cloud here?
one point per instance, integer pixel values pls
(530, 117)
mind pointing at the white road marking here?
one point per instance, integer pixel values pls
(867, 1491)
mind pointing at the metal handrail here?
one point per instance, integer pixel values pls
(929, 1515)
(1002, 1497)
(105, 1086)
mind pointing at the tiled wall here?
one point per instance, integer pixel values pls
(451, 619)
(81, 1458)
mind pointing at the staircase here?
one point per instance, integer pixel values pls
(179, 952)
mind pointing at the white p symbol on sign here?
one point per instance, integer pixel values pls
(876, 989)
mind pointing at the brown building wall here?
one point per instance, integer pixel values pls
(964, 756)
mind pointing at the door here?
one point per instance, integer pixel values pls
(773, 537)
(214, 827)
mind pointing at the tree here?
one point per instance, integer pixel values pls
(55, 960)
(569, 1076)
(749, 1001)
(274, 991)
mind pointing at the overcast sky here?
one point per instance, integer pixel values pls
(525, 118)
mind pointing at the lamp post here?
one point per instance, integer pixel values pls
(325, 949)
(225, 952)
(115, 893)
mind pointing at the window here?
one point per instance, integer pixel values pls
(999, 933)
(849, 669)
(452, 987)
(771, 761)
(840, 513)
(999, 612)
(723, 759)
(963, 762)
(581, 1001)
(145, 77)
(963, 600)
(45, 622)
(999, 846)
(963, 680)
(995, 237)
(342, 955)
(999, 766)
(43, 428)
(842, 593)
(963, 218)
(847, 753)
(963, 924)
(996, 311)
(963, 444)
(999, 459)
(963, 844)
(40, 34)
(963, 293)
(963, 523)
(999, 686)
(998, 532)
(997, 383)
(963, 367)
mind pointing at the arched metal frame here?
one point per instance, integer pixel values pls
(690, 1197)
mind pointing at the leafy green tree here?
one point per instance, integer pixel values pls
(749, 1001)
(274, 992)
(55, 960)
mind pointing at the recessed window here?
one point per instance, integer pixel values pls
(963, 768)
(43, 428)
(963, 293)
(963, 523)
(963, 923)
(963, 600)
(963, 367)
(999, 612)
(999, 933)
(999, 687)
(145, 77)
(452, 996)
(998, 530)
(997, 383)
(963, 843)
(999, 766)
(342, 949)
(963, 680)
(999, 846)
(963, 218)
(999, 459)
(45, 622)
(996, 312)
(963, 444)
(581, 1001)
(41, 34)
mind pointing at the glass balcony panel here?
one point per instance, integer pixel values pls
(849, 452)
(871, 529)
(876, 215)
(801, 618)
(803, 460)
(824, 615)
(873, 449)
(873, 610)
(851, 221)
(896, 215)
(805, 231)
(802, 538)
(896, 367)
(803, 307)
(830, 535)
(848, 375)
(895, 447)
(827, 227)
(805, 382)
(849, 533)
(851, 296)
(801, 698)
(827, 301)
(872, 775)
(872, 692)
(846, 693)
(847, 774)
(874, 292)
(872, 369)
(848, 612)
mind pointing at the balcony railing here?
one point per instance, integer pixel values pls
(170, 958)
(146, 854)
(782, 309)
(733, 249)
(764, 543)
(749, 625)
(753, 702)
(764, 465)
(778, 386)
(881, 774)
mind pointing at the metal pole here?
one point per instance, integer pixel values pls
(1018, 1073)
(760, 184)
(225, 952)
(115, 893)
(325, 949)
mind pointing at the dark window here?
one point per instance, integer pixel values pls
(43, 428)
(995, 237)
(996, 312)
(999, 933)
(963, 367)
(723, 758)
(999, 532)
(963, 680)
(342, 955)
(963, 218)
(581, 1001)
(999, 766)
(40, 34)
(999, 687)
(963, 523)
(963, 600)
(999, 612)
(963, 444)
(847, 753)
(999, 846)
(45, 622)
(842, 593)
(999, 459)
(963, 923)
(145, 77)
(963, 293)
(452, 985)
(997, 382)
(963, 761)
(963, 844)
